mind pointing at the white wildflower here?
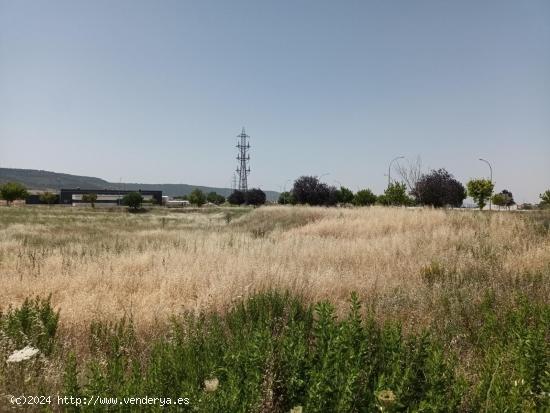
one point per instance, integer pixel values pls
(211, 385)
(22, 355)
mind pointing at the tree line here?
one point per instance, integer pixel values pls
(437, 188)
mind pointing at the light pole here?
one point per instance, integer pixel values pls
(491, 178)
(325, 174)
(284, 185)
(389, 168)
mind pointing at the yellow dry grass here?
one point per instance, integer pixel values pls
(105, 264)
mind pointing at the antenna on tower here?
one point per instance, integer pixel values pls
(243, 156)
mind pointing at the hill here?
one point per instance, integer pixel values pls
(46, 180)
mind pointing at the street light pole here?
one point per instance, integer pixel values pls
(491, 178)
(389, 168)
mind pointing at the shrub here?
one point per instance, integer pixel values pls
(439, 188)
(545, 199)
(309, 190)
(49, 198)
(215, 198)
(197, 197)
(255, 196)
(364, 197)
(236, 198)
(344, 195)
(133, 200)
(11, 191)
(395, 195)
(286, 198)
(90, 198)
(480, 190)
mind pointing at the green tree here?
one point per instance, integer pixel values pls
(48, 198)
(364, 197)
(286, 198)
(90, 199)
(11, 191)
(344, 195)
(236, 198)
(197, 197)
(396, 194)
(255, 196)
(215, 198)
(480, 190)
(133, 200)
(545, 199)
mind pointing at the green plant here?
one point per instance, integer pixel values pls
(90, 199)
(11, 191)
(133, 200)
(480, 190)
(364, 197)
(49, 198)
(545, 199)
(197, 197)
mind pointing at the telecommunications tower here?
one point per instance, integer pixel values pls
(243, 157)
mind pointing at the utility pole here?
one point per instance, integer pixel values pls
(243, 169)
(491, 179)
(389, 168)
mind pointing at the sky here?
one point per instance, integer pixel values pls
(156, 91)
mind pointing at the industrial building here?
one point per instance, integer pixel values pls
(105, 196)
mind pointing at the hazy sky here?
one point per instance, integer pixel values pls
(156, 91)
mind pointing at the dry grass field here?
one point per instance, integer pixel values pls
(478, 283)
(105, 264)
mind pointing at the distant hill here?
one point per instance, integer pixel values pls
(46, 180)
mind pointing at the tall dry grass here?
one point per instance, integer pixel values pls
(416, 265)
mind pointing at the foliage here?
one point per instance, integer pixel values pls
(364, 197)
(503, 199)
(255, 196)
(310, 190)
(133, 200)
(286, 198)
(438, 188)
(396, 195)
(271, 352)
(34, 324)
(545, 199)
(90, 198)
(344, 195)
(48, 198)
(215, 198)
(480, 190)
(11, 191)
(236, 198)
(197, 197)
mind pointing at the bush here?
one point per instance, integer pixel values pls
(197, 197)
(545, 199)
(286, 198)
(344, 195)
(90, 198)
(215, 198)
(480, 190)
(309, 190)
(236, 198)
(364, 197)
(49, 198)
(395, 195)
(255, 196)
(11, 191)
(439, 188)
(133, 200)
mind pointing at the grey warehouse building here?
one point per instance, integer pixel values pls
(105, 196)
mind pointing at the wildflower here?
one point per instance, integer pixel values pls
(211, 385)
(386, 398)
(22, 355)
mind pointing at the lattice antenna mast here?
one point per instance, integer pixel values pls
(243, 157)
